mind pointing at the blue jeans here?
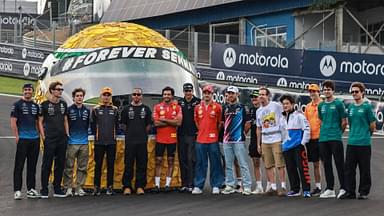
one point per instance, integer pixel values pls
(203, 152)
(230, 151)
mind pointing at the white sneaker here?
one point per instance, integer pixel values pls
(247, 191)
(80, 192)
(69, 193)
(33, 194)
(328, 194)
(258, 190)
(341, 193)
(228, 190)
(18, 195)
(215, 190)
(197, 190)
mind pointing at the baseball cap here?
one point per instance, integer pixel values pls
(255, 92)
(208, 88)
(233, 89)
(187, 86)
(106, 90)
(28, 85)
(313, 87)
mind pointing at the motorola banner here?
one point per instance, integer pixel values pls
(280, 81)
(256, 59)
(23, 53)
(303, 67)
(344, 66)
(302, 99)
(9, 20)
(14, 68)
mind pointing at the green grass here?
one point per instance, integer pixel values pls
(13, 86)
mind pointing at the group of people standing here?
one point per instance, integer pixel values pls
(201, 131)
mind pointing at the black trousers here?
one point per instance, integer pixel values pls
(327, 150)
(54, 151)
(27, 149)
(187, 158)
(358, 156)
(135, 152)
(99, 152)
(296, 162)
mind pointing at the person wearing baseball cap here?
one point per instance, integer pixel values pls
(313, 151)
(104, 126)
(186, 135)
(234, 120)
(207, 116)
(253, 153)
(24, 118)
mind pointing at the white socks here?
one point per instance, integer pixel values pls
(284, 185)
(157, 181)
(318, 185)
(168, 181)
(258, 184)
(273, 185)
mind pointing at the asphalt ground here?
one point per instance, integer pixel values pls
(175, 203)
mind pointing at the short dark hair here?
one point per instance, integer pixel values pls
(265, 89)
(77, 90)
(359, 85)
(168, 89)
(329, 84)
(53, 85)
(287, 97)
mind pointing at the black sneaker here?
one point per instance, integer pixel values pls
(156, 190)
(59, 193)
(110, 191)
(183, 190)
(362, 197)
(96, 191)
(316, 192)
(348, 196)
(167, 189)
(44, 194)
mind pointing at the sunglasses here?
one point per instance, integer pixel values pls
(58, 89)
(106, 94)
(355, 92)
(136, 94)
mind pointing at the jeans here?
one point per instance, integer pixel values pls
(204, 152)
(238, 150)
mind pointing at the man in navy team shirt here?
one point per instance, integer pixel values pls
(78, 121)
(24, 118)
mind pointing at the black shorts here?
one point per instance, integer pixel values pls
(252, 148)
(313, 150)
(160, 149)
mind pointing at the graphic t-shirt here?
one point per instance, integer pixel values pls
(270, 119)
(78, 121)
(234, 117)
(54, 114)
(26, 113)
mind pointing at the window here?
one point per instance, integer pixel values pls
(278, 33)
(372, 29)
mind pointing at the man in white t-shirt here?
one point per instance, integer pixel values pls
(271, 127)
